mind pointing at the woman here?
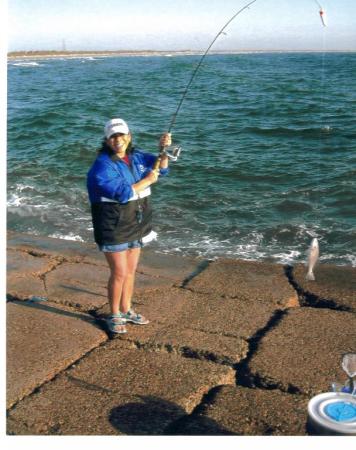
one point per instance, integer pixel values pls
(119, 188)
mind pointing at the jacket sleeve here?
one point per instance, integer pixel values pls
(150, 159)
(111, 184)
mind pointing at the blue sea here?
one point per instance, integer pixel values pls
(268, 149)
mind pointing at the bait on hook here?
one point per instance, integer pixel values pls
(322, 14)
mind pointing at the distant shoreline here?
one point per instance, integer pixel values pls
(80, 53)
(102, 53)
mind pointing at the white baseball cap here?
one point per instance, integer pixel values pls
(115, 126)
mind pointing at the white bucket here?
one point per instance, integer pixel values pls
(333, 413)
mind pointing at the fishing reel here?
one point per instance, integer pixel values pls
(173, 154)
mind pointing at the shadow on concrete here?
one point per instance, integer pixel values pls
(155, 416)
(75, 288)
(43, 307)
(89, 386)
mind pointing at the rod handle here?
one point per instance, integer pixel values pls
(157, 163)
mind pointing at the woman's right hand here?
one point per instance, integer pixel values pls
(149, 179)
(153, 176)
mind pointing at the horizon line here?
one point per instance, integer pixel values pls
(136, 51)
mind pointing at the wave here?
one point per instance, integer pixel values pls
(26, 64)
(67, 237)
(292, 206)
(314, 132)
(254, 247)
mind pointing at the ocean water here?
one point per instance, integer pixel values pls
(268, 159)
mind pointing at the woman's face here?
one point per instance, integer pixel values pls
(119, 142)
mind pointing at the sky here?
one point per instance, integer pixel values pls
(179, 25)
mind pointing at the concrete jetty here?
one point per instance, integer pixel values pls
(232, 348)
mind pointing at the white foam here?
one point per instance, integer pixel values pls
(330, 258)
(352, 259)
(26, 64)
(288, 257)
(21, 187)
(67, 237)
(15, 200)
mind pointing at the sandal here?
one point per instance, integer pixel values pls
(116, 324)
(132, 316)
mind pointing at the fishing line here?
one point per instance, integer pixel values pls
(313, 253)
(200, 63)
(323, 127)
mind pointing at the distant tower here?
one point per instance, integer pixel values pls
(64, 49)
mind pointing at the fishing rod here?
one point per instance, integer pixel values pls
(176, 151)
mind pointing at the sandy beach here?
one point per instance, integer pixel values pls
(233, 347)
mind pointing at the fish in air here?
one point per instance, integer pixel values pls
(313, 256)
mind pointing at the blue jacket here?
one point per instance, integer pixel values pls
(118, 215)
(112, 179)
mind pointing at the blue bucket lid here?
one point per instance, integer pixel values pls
(341, 411)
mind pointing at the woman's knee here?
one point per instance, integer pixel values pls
(118, 274)
(117, 264)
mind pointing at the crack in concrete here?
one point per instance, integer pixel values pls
(38, 388)
(183, 351)
(243, 374)
(241, 368)
(39, 254)
(178, 427)
(260, 382)
(56, 262)
(244, 377)
(30, 252)
(308, 299)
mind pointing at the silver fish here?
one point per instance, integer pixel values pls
(313, 256)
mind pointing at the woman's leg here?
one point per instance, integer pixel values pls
(132, 258)
(118, 271)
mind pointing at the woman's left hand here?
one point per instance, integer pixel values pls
(165, 140)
